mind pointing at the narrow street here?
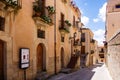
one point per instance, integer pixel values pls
(96, 72)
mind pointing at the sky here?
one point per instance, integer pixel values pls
(93, 16)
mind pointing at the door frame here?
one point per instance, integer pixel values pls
(43, 56)
(62, 57)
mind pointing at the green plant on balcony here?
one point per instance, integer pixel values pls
(67, 22)
(46, 19)
(51, 10)
(37, 10)
(64, 29)
(11, 3)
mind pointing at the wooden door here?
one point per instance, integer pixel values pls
(39, 58)
(83, 50)
(1, 60)
(62, 58)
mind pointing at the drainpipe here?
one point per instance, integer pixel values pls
(55, 65)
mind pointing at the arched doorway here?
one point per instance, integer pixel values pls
(62, 58)
(2, 55)
(41, 58)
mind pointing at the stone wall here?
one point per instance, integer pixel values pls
(114, 57)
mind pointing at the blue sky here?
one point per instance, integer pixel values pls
(93, 16)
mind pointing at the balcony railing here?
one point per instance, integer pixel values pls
(77, 42)
(92, 41)
(43, 12)
(14, 4)
(82, 39)
(64, 27)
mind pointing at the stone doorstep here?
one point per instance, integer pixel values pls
(42, 76)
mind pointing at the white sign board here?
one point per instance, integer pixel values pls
(24, 58)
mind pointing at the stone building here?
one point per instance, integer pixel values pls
(113, 38)
(38, 37)
(101, 53)
(88, 47)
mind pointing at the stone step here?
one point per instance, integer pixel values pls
(42, 76)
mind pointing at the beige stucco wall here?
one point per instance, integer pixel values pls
(21, 32)
(90, 59)
(113, 38)
(112, 20)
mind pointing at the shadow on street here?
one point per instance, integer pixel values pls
(81, 74)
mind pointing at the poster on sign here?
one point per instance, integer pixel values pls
(24, 57)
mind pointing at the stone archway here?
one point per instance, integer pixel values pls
(62, 58)
(41, 58)
(2, 60)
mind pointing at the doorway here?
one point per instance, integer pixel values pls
(82, 57)
(2, 54)
(41, 58)
(62, 58)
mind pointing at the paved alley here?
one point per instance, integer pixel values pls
(96, 72)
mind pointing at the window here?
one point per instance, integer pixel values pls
(77, 24)
(42, 7)
(117, 6)
(62, 39)
(73, 20)
(2, 23)
(62, 20)
(40, 33)
(83, 37)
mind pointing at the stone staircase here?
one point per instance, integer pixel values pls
(73, 61)
(42, 76)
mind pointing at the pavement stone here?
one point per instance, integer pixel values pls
(96, 72)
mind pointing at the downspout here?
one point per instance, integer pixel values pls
(55, 65)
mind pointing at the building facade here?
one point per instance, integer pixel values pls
(101, 53)
(38, 36)
(113, 38)
(88, 47)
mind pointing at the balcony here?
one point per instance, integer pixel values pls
(64, 29)
(92, 51)
(64, 26)
(92, 41)
(43, 14)
(82, 39)
(101, 55)
(77, 42)
(10, 5)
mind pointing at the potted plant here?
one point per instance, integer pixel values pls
(46, 19)
(51, 9)
(37, 10)
(67, 22)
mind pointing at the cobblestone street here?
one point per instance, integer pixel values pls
(96, 72)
